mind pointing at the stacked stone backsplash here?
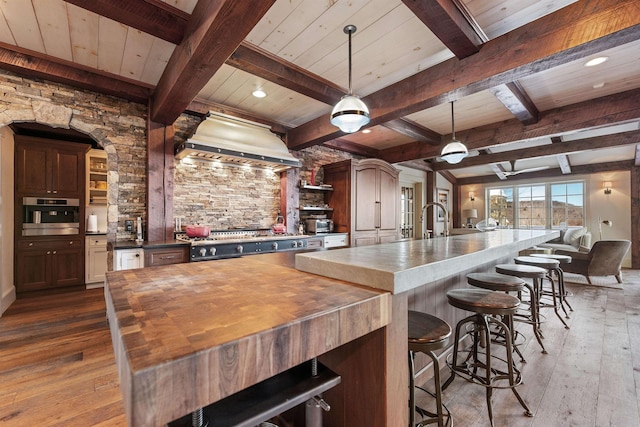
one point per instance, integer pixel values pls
(117, 125)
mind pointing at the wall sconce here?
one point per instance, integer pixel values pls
(607, 187)
(472, 196)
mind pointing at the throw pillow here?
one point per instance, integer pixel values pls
(573, 236)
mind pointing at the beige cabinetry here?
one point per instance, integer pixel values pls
(96, 177)
(365, 200)
(95, 258)
(127, 259)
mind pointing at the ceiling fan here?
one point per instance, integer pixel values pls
(503, 174)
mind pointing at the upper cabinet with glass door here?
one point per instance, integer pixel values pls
(96, 177)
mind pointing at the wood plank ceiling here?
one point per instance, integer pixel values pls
(515, 70)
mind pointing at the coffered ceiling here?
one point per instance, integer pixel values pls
(514, 68)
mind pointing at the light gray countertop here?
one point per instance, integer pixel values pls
(401, 266)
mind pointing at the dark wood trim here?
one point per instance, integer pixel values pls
(160, 168)
(207, 44)
(501, 60)
(623, 165)
(445, 20)
(40, 66)
(605, 141)
(516, 99)
(166, 23)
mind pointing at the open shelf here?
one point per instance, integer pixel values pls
(271, 397)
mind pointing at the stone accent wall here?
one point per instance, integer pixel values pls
(117, 125)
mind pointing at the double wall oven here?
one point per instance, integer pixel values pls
(47, 216)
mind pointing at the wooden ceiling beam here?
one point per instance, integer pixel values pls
(413, 130)
(552, 173)
(202, 107)
(259, 62)
(159, 20)
(569, 34)
(351, 147)
(213, 33)
(602, 111)
(449, 24)
(594, 143)
(515, 98)
(37, 65)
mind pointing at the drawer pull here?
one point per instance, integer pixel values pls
(30, 243)
(55, 252)
(168, 257)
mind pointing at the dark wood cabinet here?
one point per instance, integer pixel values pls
(166, 255)
(49, 263)
(365, 200)
(49, 168)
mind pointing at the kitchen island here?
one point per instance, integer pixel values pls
(190, 334)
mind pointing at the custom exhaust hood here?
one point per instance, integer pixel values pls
(231, 140)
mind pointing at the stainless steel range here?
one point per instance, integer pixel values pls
(235, 243)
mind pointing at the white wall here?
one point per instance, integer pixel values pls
(615, 207)
(7, 288)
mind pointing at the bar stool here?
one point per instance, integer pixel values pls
(501, 283)
(427, 333)
(550, 265)
(537, 274)
(563, 259)
(486, 304)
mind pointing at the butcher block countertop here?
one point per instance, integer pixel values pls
(188, 335)
(404, 265)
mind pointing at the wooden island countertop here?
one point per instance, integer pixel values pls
(188, 335)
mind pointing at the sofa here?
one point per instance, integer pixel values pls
(574, 239)
(604, 259)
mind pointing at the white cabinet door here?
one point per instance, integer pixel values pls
(96, 259)
(127, 259)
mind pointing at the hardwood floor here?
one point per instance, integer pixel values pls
(57, 366)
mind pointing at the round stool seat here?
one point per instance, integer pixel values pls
(521, 270)
(495, 282)
(427, 332)
(564, 259)
(545, 263)
(483, 301)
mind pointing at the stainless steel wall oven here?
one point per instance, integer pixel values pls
(46, 216)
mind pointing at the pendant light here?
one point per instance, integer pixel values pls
(454, 151)
(350, 113)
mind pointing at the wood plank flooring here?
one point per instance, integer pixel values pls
(57, 366)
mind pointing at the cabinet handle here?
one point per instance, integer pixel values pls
(168, 257)
(71, 242)
(55, 252)
(55, 191)
(48, 191)
(30, 243)
(48, 252)
(378, 214)
(137, 255)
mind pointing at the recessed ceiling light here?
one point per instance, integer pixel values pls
(596, 61)
(259, 93)
(598, 85)
(366, 131)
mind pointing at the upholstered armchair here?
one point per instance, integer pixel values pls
(604, 259)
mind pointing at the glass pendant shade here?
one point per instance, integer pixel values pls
(350, 114)
(454, 152)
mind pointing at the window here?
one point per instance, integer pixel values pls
(567, 204)
(552, 205)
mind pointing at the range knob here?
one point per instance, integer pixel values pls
(212, 250)
(294, 244)
(274, 245)
(300, 244)
(203, 252)
(239, 249)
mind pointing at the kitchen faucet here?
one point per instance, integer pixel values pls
(446, 216)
